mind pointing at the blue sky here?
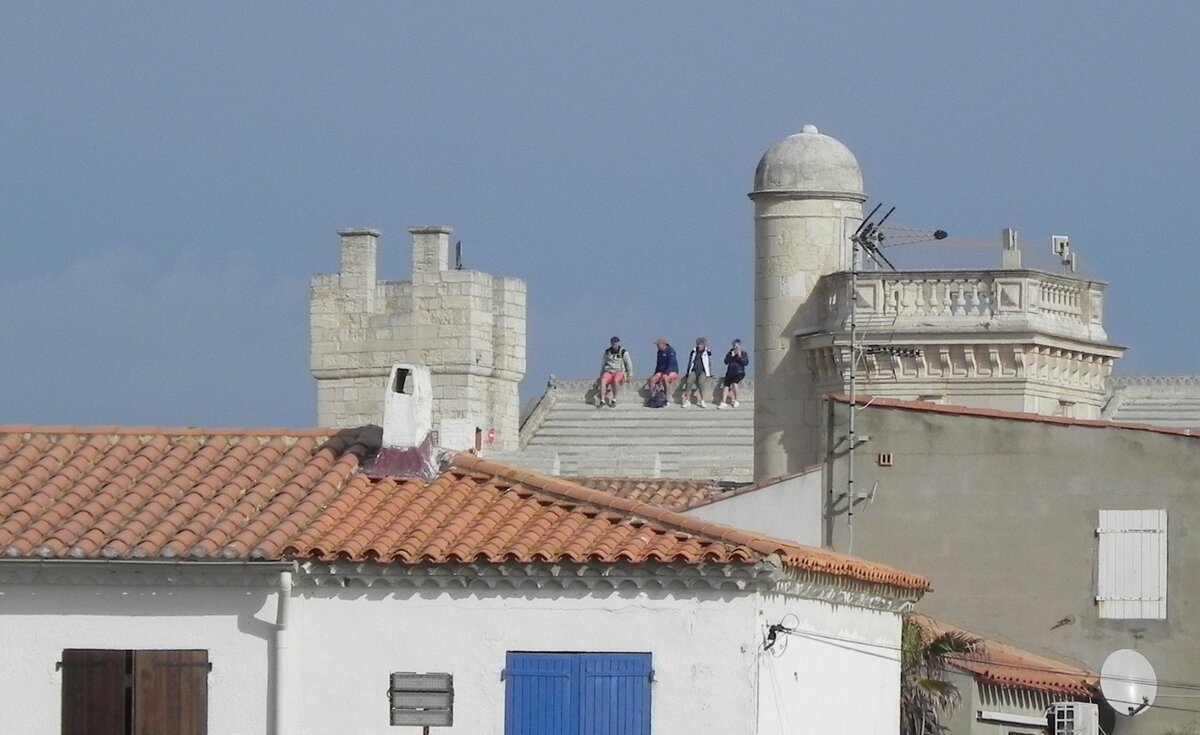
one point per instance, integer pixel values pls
(173, 174)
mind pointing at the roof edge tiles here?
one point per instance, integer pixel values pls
(272, 432)
(1009, 667)
(991, 413)
(796, 556)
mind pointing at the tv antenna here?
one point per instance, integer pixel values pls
(1060, 245)
(870, 238)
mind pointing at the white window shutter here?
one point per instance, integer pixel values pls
(1132, 576)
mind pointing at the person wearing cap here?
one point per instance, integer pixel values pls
(615, 368)
(666, 368)
(699, 370)
(736, 361)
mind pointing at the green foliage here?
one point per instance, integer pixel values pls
(926, 696)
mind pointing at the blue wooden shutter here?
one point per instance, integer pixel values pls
(540, 697)
(615, 698)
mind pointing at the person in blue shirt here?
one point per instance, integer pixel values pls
(666, 368)
(736, 361)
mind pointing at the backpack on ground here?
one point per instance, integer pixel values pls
(657, 399)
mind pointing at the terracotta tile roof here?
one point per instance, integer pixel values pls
(665, 492)
(752, 545)
(1012, 415)
(266, 495)
(1008, 667)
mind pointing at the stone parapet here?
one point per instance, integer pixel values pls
(1162, 400)
(1026, 301)
(1018, 340)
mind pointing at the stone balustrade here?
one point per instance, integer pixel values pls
(955, 300)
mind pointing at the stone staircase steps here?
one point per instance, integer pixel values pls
(566, 433)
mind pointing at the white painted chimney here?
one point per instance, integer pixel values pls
(407, 447)
(407, 406)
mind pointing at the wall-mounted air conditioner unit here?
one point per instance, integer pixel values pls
(1075, 718)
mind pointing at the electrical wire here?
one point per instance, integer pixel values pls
(972, 659)
(783, 716)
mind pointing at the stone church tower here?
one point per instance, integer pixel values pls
(1004, 338)
(467, 327)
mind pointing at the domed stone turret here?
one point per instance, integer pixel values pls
(809, 163)
(808, 196)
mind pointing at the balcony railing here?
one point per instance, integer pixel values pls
(969, 300)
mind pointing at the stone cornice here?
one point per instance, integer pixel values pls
(654, 579)
(125, 573)
(1154, 381)
(555, 577)
(848, 196)
(1059, 363)
(768, 576)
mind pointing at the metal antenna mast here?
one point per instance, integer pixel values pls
(868, 239)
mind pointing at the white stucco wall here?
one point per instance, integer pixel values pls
(710, 674)
(788, 509)
(38, 621)
(839, 674)
(702, 643)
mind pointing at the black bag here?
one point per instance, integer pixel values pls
(657, 399)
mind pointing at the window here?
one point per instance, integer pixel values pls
(134, 692)
(577, 694)
(1132, 575)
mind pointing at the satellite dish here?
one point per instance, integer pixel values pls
(1128, 682)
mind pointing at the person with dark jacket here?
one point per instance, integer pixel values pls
(736, 361)
(666, 369)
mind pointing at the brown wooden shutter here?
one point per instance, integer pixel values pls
(93, 692)
(170, 692)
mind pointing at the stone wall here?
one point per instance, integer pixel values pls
(1002, 514)
(467, 327)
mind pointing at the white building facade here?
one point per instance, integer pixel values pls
(198, 581)
(349, 627)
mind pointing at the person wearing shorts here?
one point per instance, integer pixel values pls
(736, 361)
(615, 368)
(699, 370)
(666, 368)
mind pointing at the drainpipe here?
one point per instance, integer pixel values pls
(280, 642)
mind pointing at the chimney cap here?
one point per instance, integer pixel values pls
(359, 232)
